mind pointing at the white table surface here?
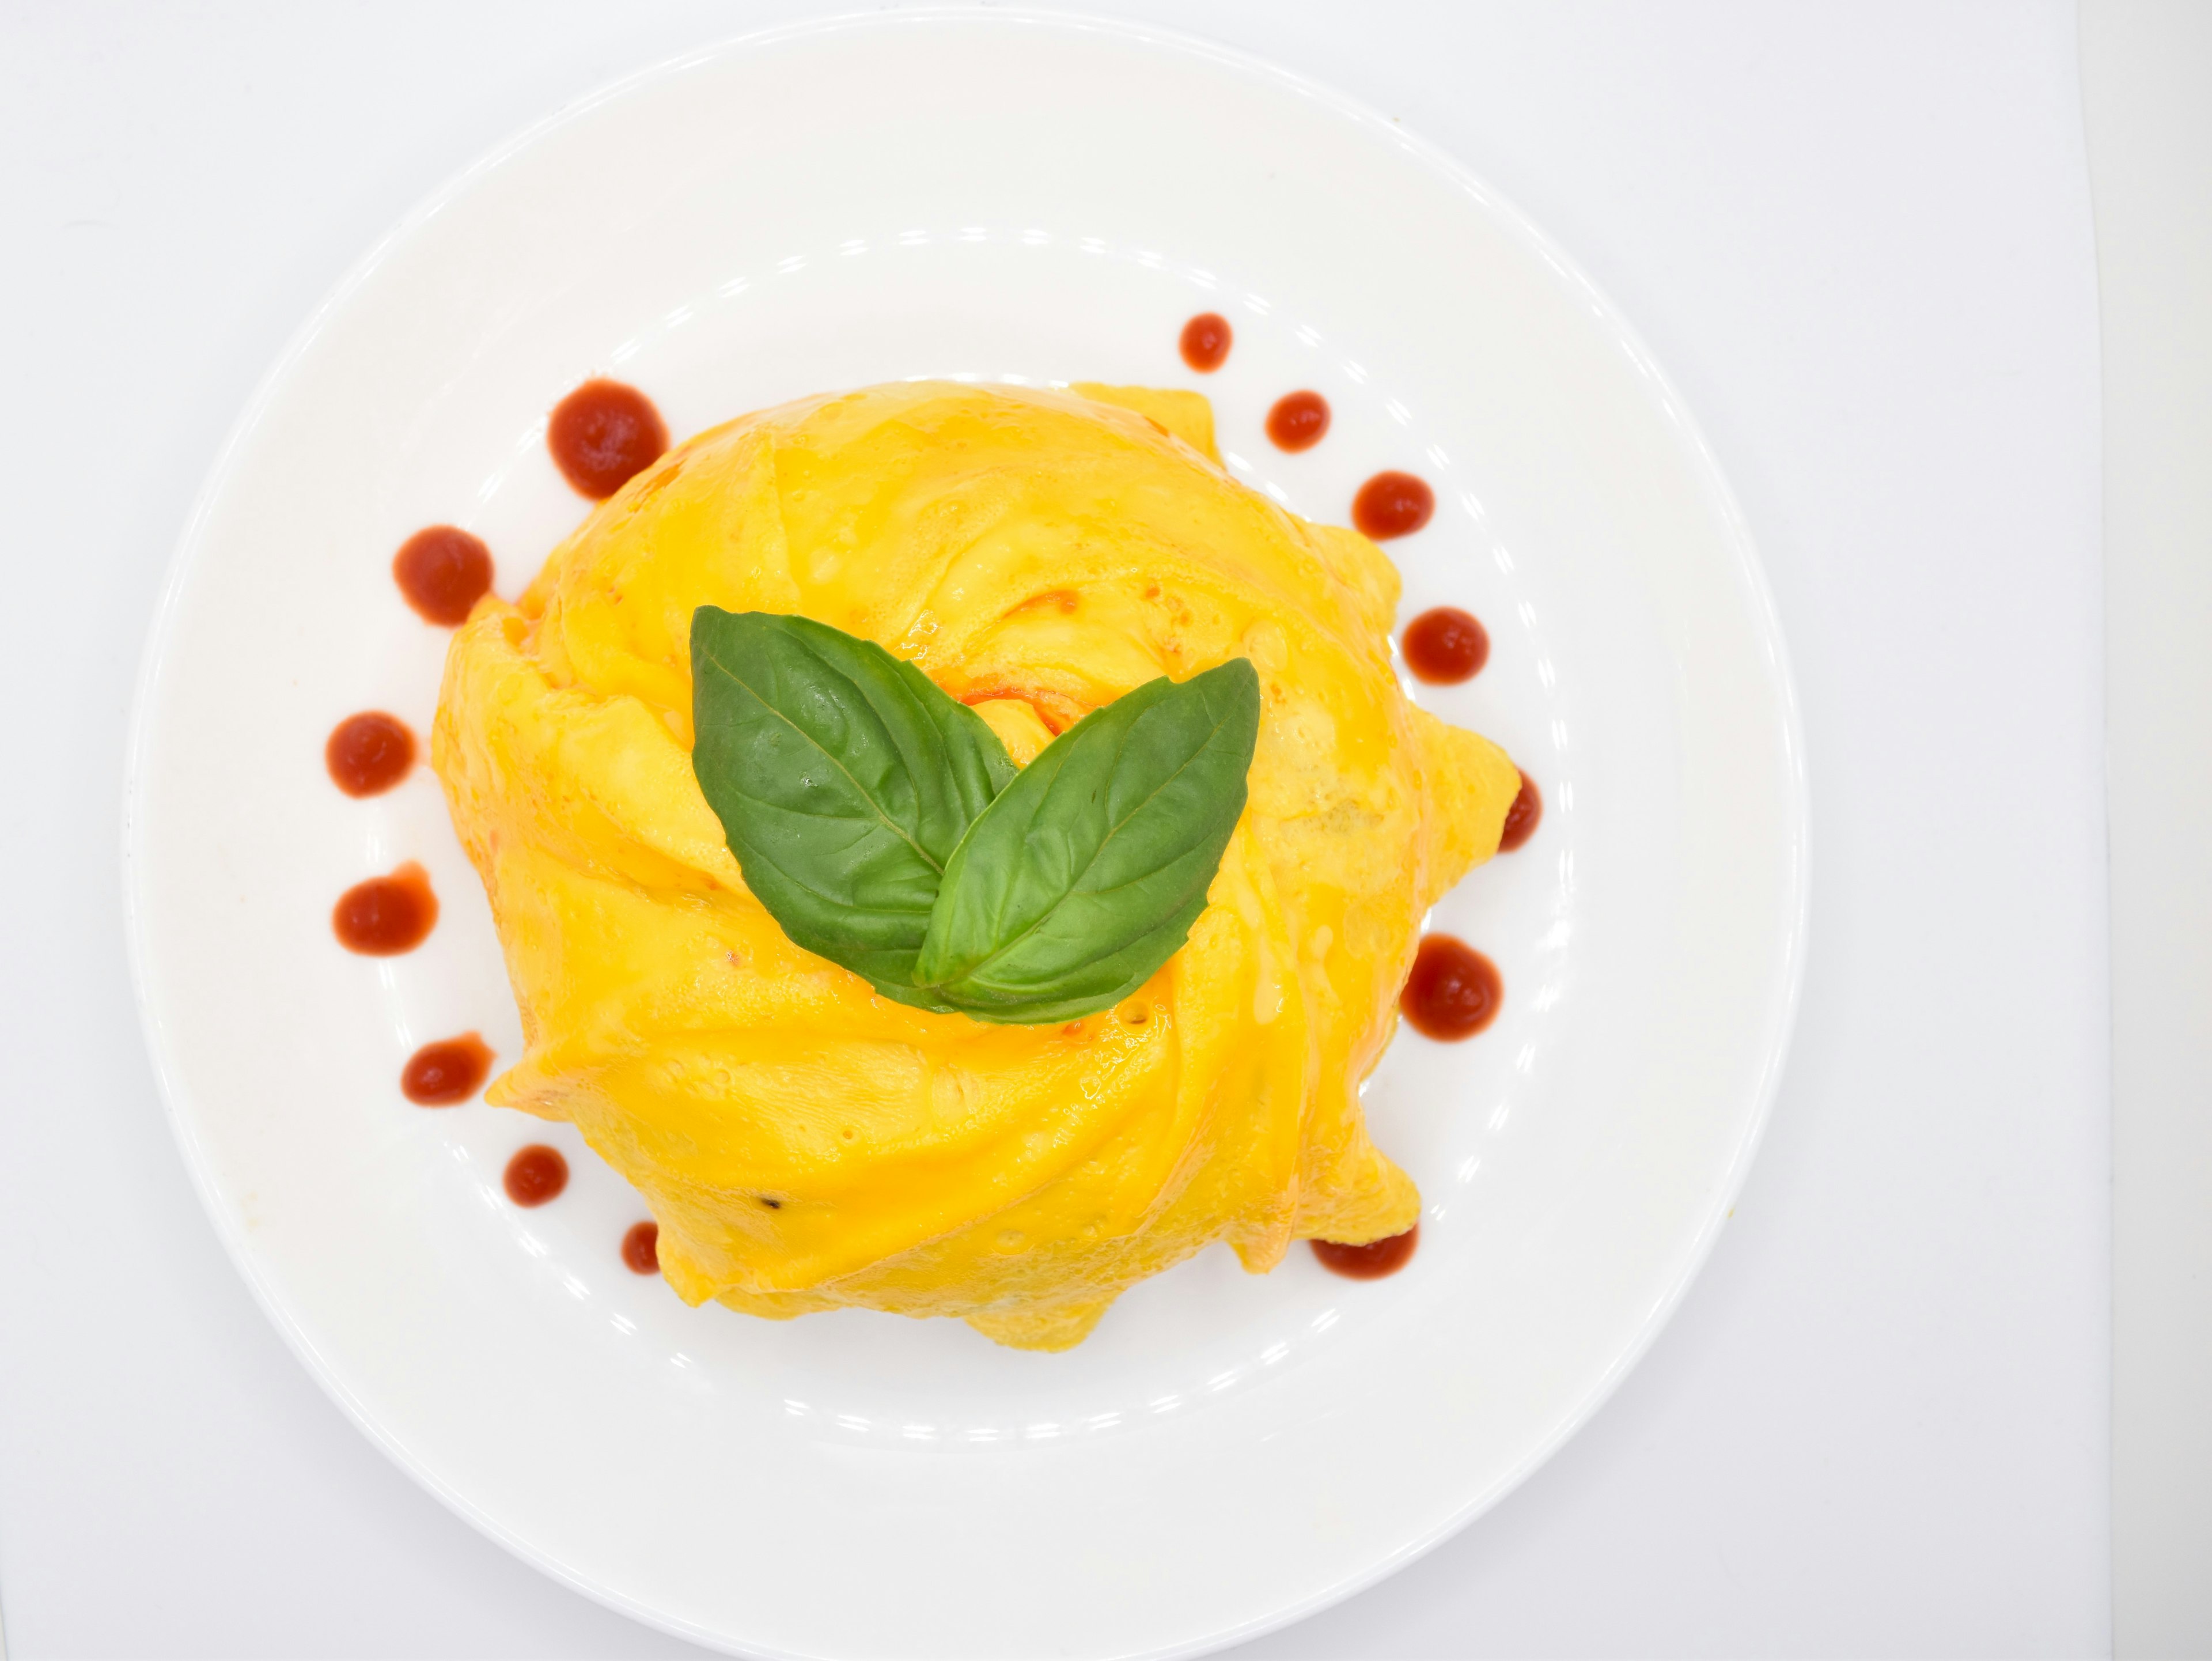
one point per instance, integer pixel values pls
(1860, 241)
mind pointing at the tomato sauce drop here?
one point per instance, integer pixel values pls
(1299, 422)
(603, 435)
(387, 915)
(1445, 646)
(1453, 991)
(1524, 817)
(640, 1248)
(1392, 505)
(441, 573)
(1205, 342)
(535, 1175)
(1370, 1262)
(369, 753)
(449, 1071)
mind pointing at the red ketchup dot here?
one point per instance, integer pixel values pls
(449, 1071)
(1205, 342)
(1522, 817)
(640, 1248)
(441, 573)
(1445, 646)
(537, 1174)
(368, 753)
(1453, 991)
(387, 915)
(1299, 422)
(1370, 1262)
(603, 435)
(1392, 505)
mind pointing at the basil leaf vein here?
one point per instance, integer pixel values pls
(844, 780)
(883, 827)
(1085, 874)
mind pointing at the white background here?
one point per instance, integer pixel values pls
(1859, 240)
(2146, 69)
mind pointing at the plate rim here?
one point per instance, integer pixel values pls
(1611, 321)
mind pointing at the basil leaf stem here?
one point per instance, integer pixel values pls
(1086, 872)
(882, 824)
(843, 778)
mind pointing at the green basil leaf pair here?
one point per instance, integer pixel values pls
(883, 827)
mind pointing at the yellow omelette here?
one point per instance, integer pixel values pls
(806, 1144)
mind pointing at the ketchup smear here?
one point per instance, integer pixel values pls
(369, 753)
(1453, 991)
(449, 1071)
(1299, 422)
(1445, 646)
(1524, 817)
(1392, 505)
(1370, 1262)
(1205, 342)
(535, 1175)
(441, 573)
(603, 435)
(640, 1248)
(387, 915)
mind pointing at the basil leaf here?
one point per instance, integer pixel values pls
(1085, 874)
(844, 780)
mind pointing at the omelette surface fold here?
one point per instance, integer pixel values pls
(805, 1144)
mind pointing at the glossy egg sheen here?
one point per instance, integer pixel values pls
(805, 1144)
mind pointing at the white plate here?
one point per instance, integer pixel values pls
(1003, 197)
